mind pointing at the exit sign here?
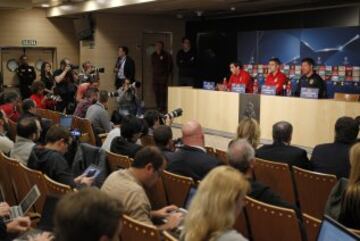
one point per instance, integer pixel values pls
(29, 43)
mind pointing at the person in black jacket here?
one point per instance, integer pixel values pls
(124, 67)
(281, 150)
(51, 161)
(163, 139)
(130, 130)
(333, 158)
(191, 160)
(185, 60)
(241, 156)
(27, 75)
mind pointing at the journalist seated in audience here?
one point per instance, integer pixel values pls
(9, 103)
(115, 132)
(125, 144)
(37, 90)
(128, 186)
(241, 156)
(191, 160)
(249, 129)
(344, 200)
(281, 150)
(98, 114)
(13, 228)
(88, 215)
(91, 97)
(27, 133)
(5, 143)
(51, 161)
(333, 158)
(216, 206)
(152, 118)
(163, 139)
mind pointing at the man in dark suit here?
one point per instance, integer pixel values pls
(241, 156)
(333, 158)
(163, 139)
(124, 67)
(281, 150)
(191, 160)
(130, 131)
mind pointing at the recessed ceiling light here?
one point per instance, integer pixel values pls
(45, 5)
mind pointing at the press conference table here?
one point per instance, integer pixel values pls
(218, 111)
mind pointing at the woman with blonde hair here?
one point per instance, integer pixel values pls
(350, 205)
(249, 129)
(344, 201)
(215, 207)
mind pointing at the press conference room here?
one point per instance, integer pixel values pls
(180, 120)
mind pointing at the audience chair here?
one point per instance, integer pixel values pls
(36, 177)
(12, 130)
(221, 156)
(210, 151)
(56, 188)
(312, 226)
(177, 188)
(133, 230)
(347, 97)
(54, 116)
(168, 236)
(269, 223)
(84, 125)
(241, 224)
(7, 189)
(355, 231)
(313, 190)
(19, 181)
(157, 195)
(117, 161)
(147, 140)
(277, 176)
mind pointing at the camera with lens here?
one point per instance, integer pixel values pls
(98, 70)
(113, 94)
(53, 97)
(136, 84)
(73, 66)
(172, 114)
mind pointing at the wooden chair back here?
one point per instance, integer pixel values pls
(56, 188)
(117, 161)
(177, 188)
(168, 237)
(221, 156)
(147, 140)
(347, 97)
(310, 183)
(157, 195)
(133, 230)
(241, 224)
(277, 176)
(6, 186)
(312, 226)
(270, 223)
(84, 125)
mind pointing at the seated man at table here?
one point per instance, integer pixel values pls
(275, 77)
(130, 132)
(239, 76)
(191, 160)
(333, 158)
(241, 156)
(51, 161)
(310, 79)
(128, 186)
(281, 150)
(163, 139)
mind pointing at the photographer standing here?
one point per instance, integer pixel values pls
(128, 99)
(124, 67)
(65, 79)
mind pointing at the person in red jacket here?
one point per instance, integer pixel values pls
(275, 76)
(239, 76)
(10, 104)
(38, 96)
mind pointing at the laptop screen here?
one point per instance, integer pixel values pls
(30, 199)
(66, 121)
(332, 231)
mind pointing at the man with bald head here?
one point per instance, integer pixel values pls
(191, 160)
(281, 150)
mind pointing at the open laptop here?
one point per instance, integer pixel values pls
(331, 230)
(66, 122)
(20, 210)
